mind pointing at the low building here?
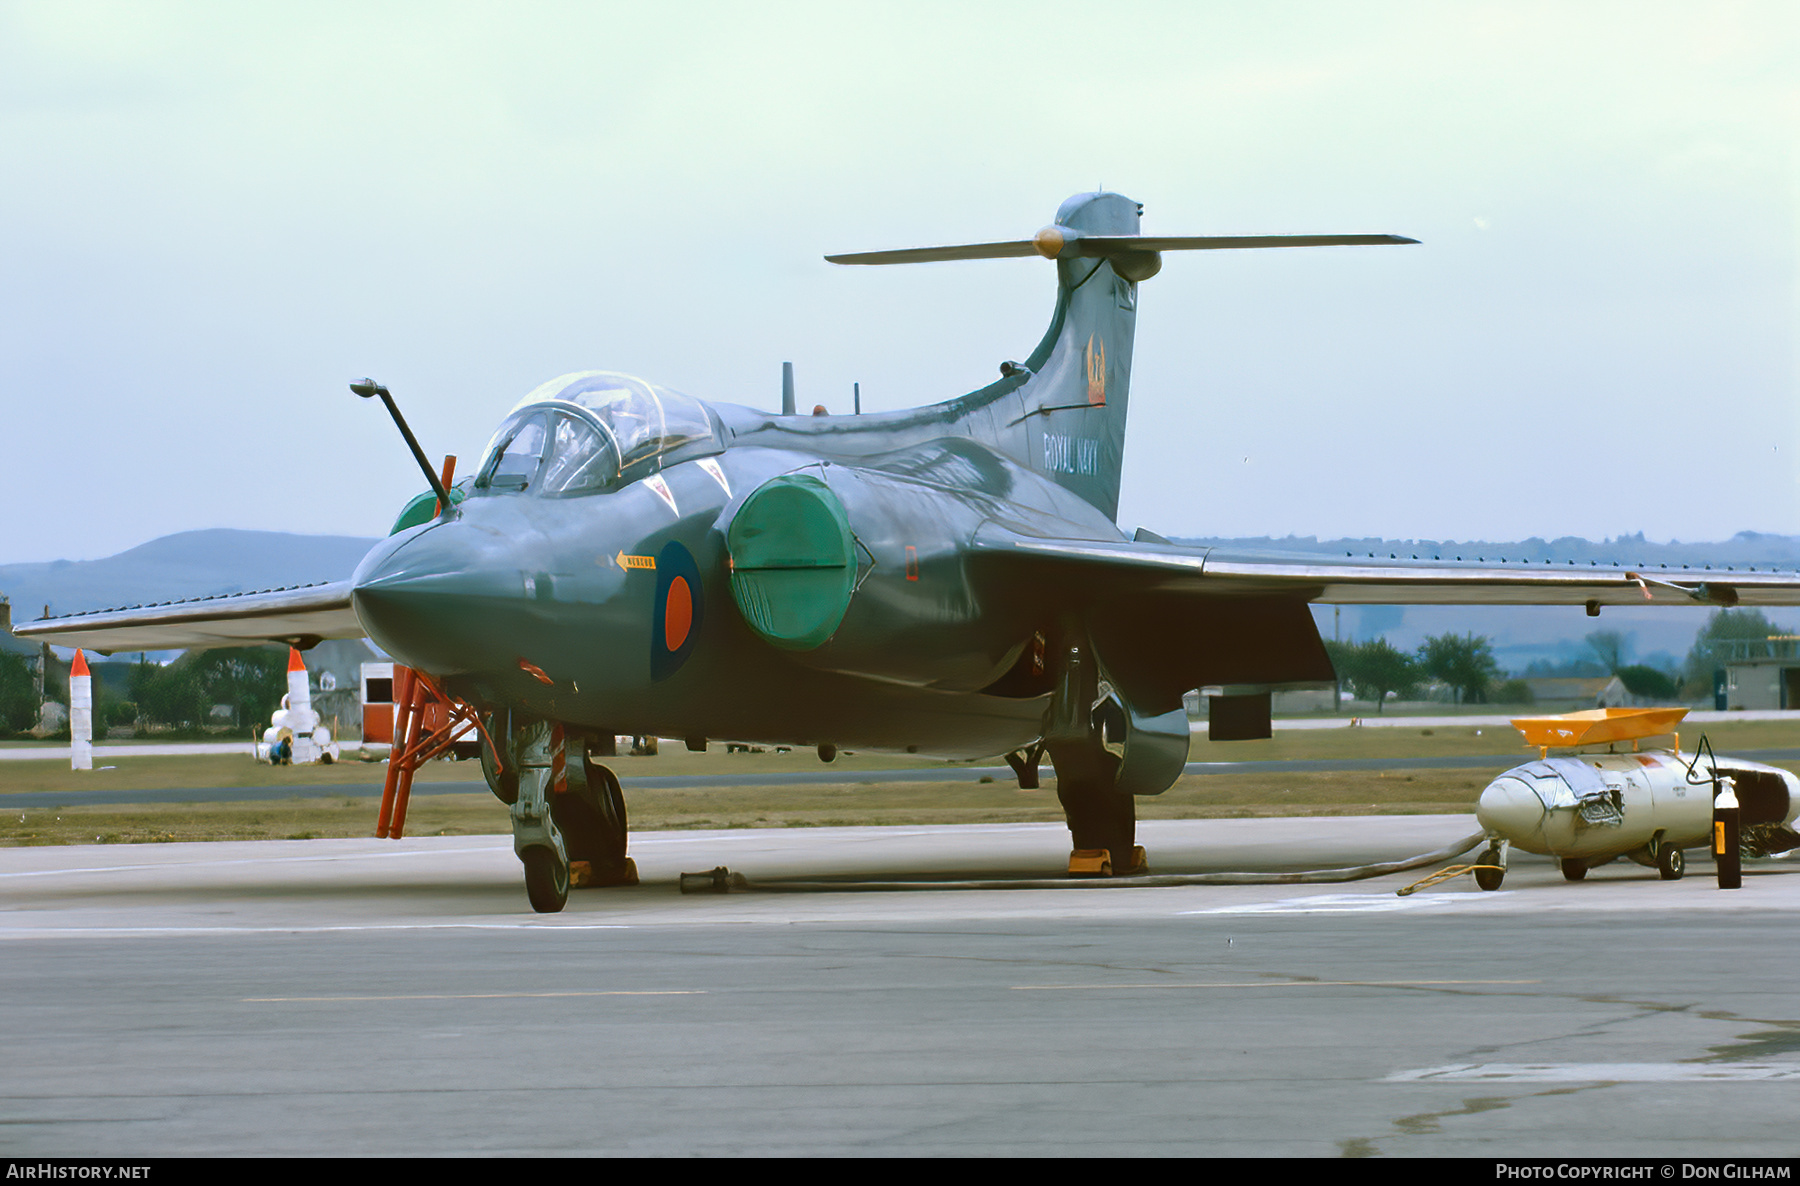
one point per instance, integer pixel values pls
(1600, 691)
(1762, 683)
(1758, 673)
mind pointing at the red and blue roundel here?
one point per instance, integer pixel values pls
(679, 600)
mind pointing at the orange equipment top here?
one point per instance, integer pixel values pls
(79, 667)
(1598, 725)
(295, 662)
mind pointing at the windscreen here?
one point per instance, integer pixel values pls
(646, 420)
(590, 431)
(516, 455)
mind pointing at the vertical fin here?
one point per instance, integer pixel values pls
(1071, 421)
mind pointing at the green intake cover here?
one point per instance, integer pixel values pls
(792, 563)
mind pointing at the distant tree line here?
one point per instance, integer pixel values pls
(1373, 669)
(1465, 664)
(18, 694)
(250, 681)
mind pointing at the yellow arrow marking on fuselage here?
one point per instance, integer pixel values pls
(625, 561)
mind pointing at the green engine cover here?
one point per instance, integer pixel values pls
(793, 565)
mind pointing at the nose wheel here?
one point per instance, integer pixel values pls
(546, 879)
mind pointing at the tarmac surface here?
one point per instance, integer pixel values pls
(365, 997)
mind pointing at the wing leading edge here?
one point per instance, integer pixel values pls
(1136, 567)
(302, 617)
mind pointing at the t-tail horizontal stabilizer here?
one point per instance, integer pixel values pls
(1061, 242)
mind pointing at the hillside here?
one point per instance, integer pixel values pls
(187, 564)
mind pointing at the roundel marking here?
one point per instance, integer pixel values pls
(677, 613)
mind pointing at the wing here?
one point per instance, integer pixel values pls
(1166, 619)
(301, 616)
(1129, 567)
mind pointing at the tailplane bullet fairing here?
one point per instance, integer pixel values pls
(948, 580)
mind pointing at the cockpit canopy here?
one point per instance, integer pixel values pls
(593, 431)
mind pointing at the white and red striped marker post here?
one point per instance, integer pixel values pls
(299, 697)
(81, 715)
(300, 716)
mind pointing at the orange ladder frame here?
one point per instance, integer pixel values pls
(431, 721)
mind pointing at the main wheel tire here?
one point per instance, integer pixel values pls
(610, 797)
(1573, 868)
(546, 880)
(1490, 879)
(604, 825)
(1670, 863)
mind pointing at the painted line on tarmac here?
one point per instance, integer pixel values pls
(89, 932)
(1603, 1072)
(342, 856)
(1271, 984)
(884, 832)
(488, 996)
(1352, 904)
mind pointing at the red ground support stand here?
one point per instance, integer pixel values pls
(430, 721)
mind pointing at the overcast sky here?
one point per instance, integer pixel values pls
(216, 215)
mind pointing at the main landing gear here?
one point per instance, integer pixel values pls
(1103, 828)
(1085, 741)
(569, 824)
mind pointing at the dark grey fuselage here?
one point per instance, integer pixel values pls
(517, 578)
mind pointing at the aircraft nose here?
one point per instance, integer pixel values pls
(430, 597)
(1511, 808)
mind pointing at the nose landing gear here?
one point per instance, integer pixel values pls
(569, 823)
(536, 838)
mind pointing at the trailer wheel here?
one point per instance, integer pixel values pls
(1670, 863)
(1490, 879)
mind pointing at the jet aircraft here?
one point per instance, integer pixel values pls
(948, 580)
